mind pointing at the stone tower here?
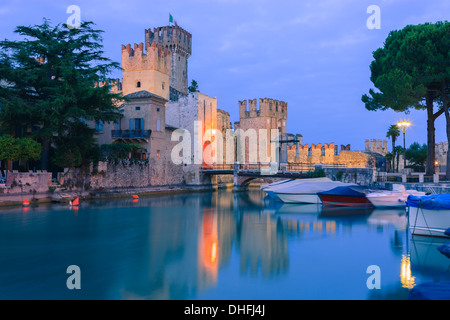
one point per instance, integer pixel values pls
(268, 115)
(147, 70)
(179, 43)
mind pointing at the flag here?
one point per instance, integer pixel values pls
(176, 24)
(170, 18)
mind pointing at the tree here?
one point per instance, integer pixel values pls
(407, 72)
(52, 75)
(416, 154)
(398, 151)
(15, 149)
(390, 159)
(393, 133)
(193, 87)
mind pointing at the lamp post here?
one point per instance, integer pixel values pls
(404, 126)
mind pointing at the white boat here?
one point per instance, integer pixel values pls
(392, 199)
(429, 215)
(271, 190)
(307, 192)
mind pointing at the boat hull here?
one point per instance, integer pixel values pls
(347, 201)
(388, 201)
(426, 222)
(299, 198)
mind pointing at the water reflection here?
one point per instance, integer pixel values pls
(196, 246)
(426, 260)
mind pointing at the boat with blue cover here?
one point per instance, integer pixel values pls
(429, 215)
(349, 196)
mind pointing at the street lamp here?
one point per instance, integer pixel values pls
(404, 126)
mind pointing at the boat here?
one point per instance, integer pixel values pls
(392, 199)
(349, 196)
(306, 193)
(271, 190)
(265, 186)
(429, 215)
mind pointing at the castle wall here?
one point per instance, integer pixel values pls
(326, 154)
(183, 114)
(441, 155)
(376, 146)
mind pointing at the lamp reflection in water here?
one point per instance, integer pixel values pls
(408, 281)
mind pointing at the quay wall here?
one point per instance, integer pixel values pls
(19, 183)
(123, 175)
(362, 176)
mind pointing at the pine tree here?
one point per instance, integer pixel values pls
(50, 80)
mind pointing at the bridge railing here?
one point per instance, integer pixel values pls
(289, 167)
(218, 167)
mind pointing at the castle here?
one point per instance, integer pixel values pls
(155, 81)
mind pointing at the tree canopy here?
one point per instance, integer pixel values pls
(52, 78)
(416, 154)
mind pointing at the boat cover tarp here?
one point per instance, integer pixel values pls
(275, 183)
(351, 191)
(445, 249)
(447, 232)
(294, 183)
(430, 291)
(433, 202)
(312, 187)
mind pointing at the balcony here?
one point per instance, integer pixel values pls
(132, 135)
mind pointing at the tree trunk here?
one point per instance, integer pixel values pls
(45, 154)
(447, 119)
(431, 144)
(393, 154)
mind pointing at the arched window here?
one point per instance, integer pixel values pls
(138, 85)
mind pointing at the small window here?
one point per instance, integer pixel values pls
(158, 154)
(138, 108)
(138, 85)
(164, 86)
(157, 110)
(99, 126)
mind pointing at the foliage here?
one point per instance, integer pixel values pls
(318, 172)
(193, 87)
(15, 149)
(119, 150)
(416, 154)
(53, 74)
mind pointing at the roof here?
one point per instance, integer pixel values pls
(144, 94)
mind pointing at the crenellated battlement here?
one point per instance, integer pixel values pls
(154, 57)
(173, 38)
(266, 108)
(116, 85)
(314, 147)
(376, 146)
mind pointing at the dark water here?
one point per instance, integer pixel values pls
(218, 246)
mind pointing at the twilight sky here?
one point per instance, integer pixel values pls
(315, 55)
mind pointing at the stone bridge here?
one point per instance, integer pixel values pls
(244, 174)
